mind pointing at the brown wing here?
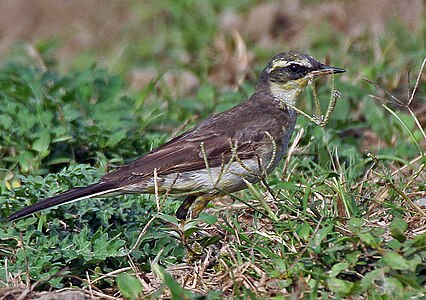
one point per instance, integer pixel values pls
(184, 153)
(245, 124)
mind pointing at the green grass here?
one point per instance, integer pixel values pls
(335, 221)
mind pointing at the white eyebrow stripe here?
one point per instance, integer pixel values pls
(283, 64)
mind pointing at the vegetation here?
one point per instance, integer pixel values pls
(343, 216)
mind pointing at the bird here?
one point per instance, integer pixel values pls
(220, 155)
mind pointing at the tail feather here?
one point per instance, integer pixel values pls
(77, 194)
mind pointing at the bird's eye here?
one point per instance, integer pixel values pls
(294, 68)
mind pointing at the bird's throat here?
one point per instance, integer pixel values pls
(288, 92)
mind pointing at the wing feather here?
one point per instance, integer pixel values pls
(186, 153)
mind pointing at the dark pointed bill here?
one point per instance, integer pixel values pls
(323, 70)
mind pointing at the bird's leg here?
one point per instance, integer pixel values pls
(184, 207)
(201, 203)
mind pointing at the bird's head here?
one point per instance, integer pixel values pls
(288, 73)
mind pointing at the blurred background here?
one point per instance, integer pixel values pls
(132, 37)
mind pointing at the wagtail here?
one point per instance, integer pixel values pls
(219, 155)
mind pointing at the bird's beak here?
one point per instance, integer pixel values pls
(323, 70)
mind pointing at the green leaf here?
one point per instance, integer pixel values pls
(209, 240)
(353, 257)
(129, 286)
(397, 229)
(115, 138)
(207, 218)
(24, 224)
(408, 279)
(339, 286)
(168, 218)
(319, 236)
(6, 121)
(188, 232)
(414, 261)
(280, 265)
(26, 161)
(392, 286)
(287, 186)
(177, 291)
(369, 239)
(41, 144)
(418, 241)
(355, 224)
(395, 261)
(337, 268)
(146, 92)
(303, 230)
(394, 245)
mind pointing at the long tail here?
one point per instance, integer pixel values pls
(77, 194)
